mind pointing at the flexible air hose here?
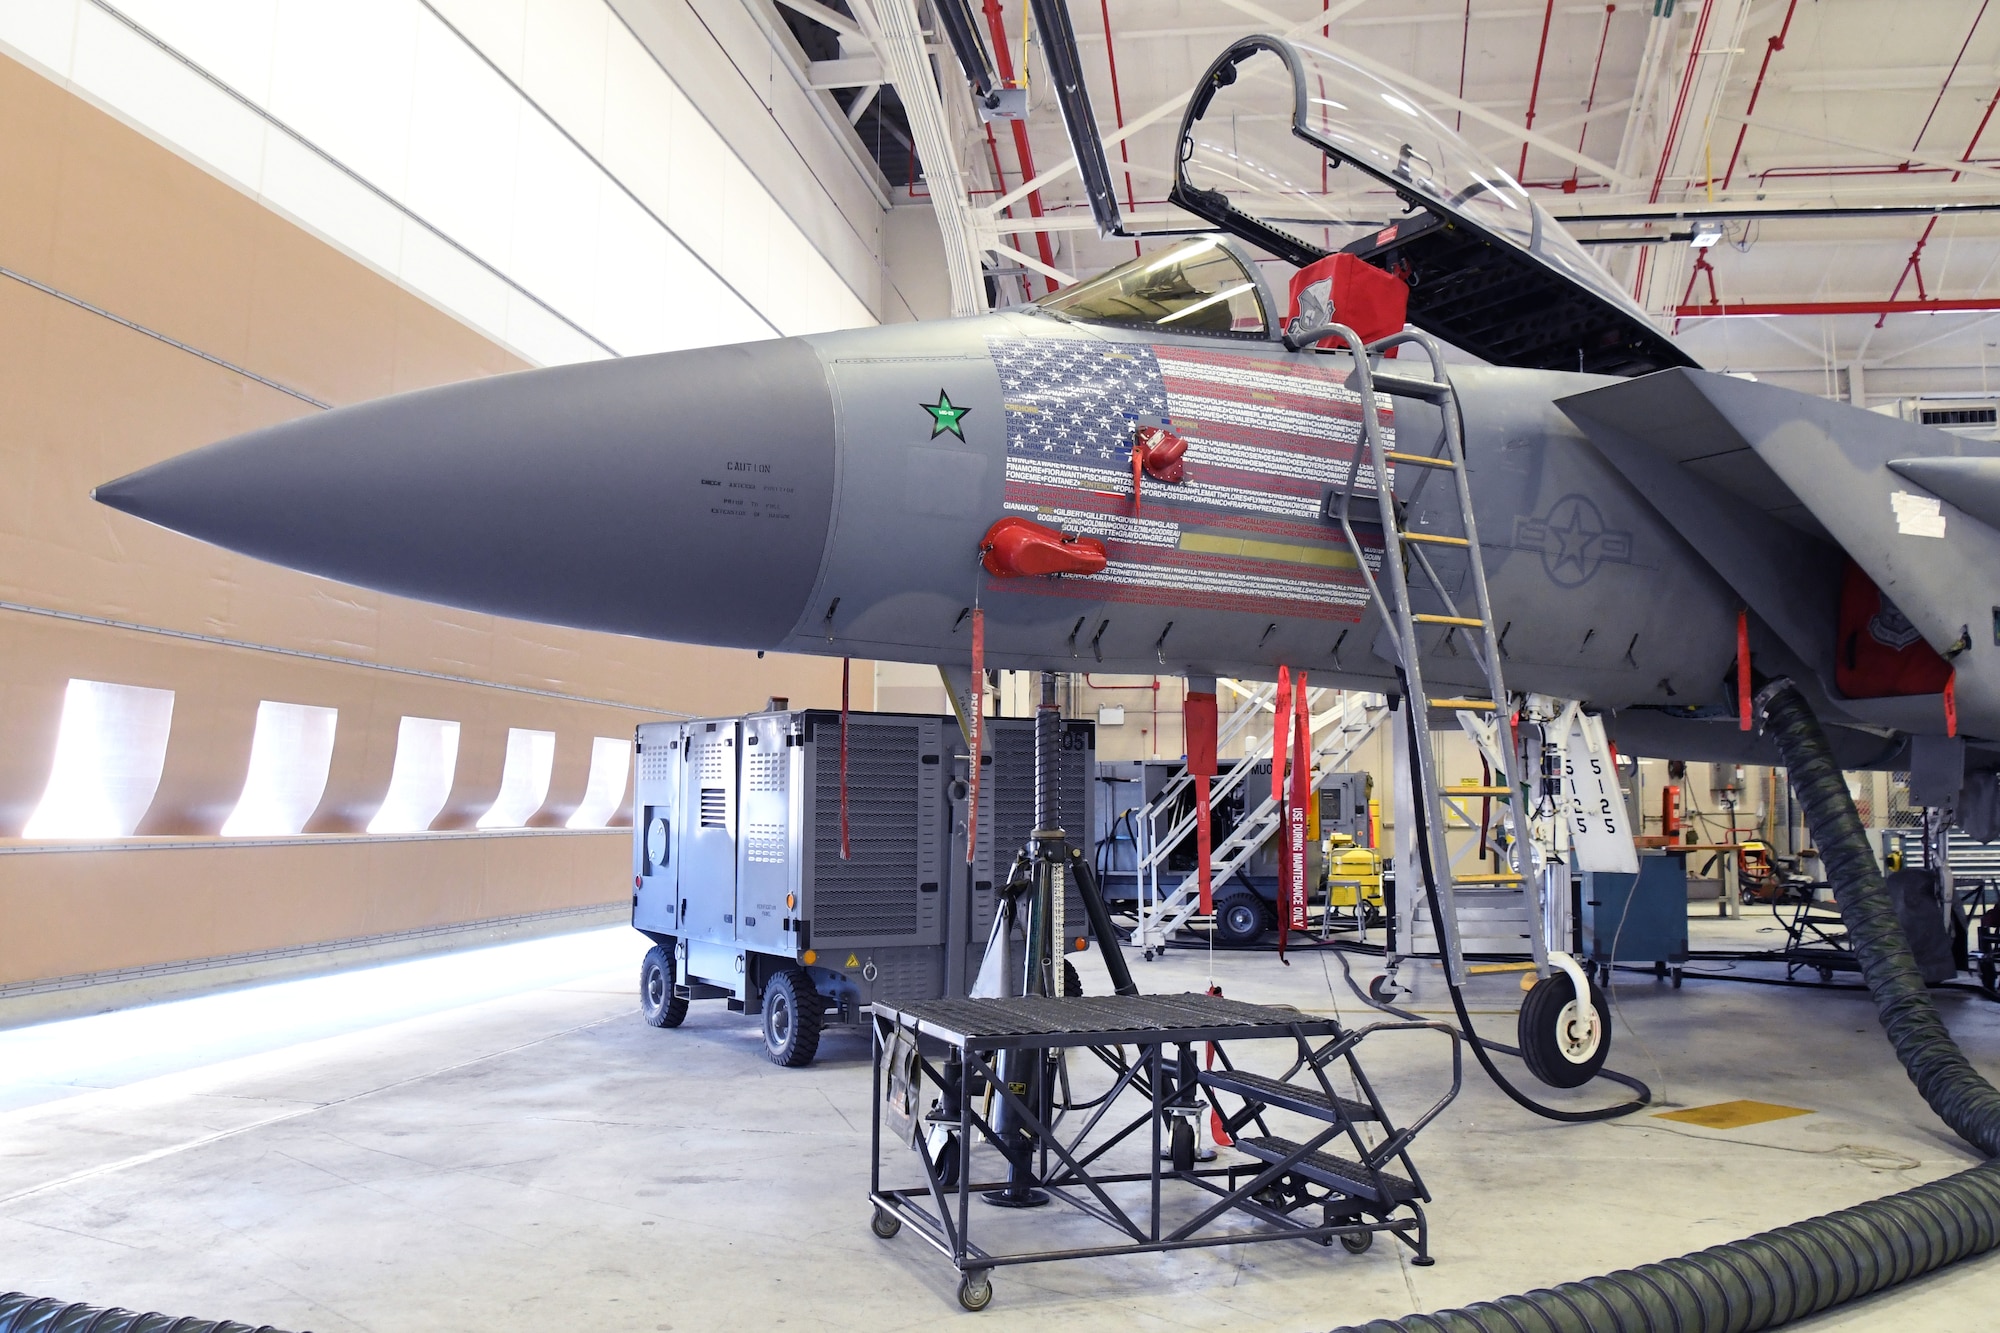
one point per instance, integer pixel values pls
(1798, 1270)
(21, 1313)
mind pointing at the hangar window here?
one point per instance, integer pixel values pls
(426, 761)
(1198, 286)
(610, 765)
(110, 748)
(524, 781)
(290, 753)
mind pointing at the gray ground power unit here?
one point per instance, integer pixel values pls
(739, 882)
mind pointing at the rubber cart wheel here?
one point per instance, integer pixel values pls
(1558, 1046)
(975, 1291)
(793, 1014)
(1072, 983)
(1382, 990)
(1181, 1149)
(1358, 1242)
(1240, 919)
(657, 1001)
(885, 1223)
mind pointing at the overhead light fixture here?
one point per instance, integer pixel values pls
(1706, 234)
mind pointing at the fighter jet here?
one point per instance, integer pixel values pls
(1151, 472)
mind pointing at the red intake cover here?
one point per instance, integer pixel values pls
(1015, 548)
(1880, 653)
(1373, 303)
(1163, 454)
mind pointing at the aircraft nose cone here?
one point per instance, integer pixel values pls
(681, 496)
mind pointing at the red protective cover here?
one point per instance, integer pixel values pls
(1373, 303)
(1016, 548)
(1880, 654)
(1198, 723)
(1164, 456)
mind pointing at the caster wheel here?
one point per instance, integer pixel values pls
(975, 1291)
(1358, 1244)
(1182, 1148)
(1825, 976)
(1559, 1043)
(1147, 955)
(944, 1160)
(1383, 988)
(885, 1223)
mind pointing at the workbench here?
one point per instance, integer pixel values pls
(1346, 1175)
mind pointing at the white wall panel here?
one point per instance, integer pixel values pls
(584, 209)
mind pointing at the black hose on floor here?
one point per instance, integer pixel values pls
(21, 1313)
(1798, 1270)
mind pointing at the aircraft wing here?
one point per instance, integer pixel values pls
(1774, 487)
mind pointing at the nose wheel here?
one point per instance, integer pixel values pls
(1564, 1042)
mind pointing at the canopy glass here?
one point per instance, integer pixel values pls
(1304, 153)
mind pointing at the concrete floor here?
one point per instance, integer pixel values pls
(494, 1140)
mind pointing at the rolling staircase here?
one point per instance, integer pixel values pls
(1502, 904)
(1339, 732)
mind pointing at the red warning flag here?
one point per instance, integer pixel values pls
(1198, 722)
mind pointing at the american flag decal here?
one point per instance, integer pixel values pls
(1267, 440)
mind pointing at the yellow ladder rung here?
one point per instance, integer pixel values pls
(1435, 539)
(1509, 878)
(1424, 619)
(1477, 791)
(1477, 704)
(1484, 969)
(1421, 460)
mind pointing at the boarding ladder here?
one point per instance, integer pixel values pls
(1352, 720)
(1444, 623)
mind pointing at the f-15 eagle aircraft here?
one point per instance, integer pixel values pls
(1151, 471)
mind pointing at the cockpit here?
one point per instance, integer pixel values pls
(1204, 284)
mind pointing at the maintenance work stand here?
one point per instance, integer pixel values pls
(988, 1142)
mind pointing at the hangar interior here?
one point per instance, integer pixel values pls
(1105, 805)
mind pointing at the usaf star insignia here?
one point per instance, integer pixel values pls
(944, 416)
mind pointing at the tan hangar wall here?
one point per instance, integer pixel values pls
(123, 232)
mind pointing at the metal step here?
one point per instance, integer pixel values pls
(1262, 1090)
(1351, 1178)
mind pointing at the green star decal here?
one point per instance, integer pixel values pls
(945, 417)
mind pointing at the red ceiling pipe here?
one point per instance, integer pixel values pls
(1926, 307)
(1117, 105)
(1914, 263)
(1695, 53)
(1005, 62)
(1535, 91)
(1589, 104)
(1771, 48)
(1948, 75)
(1464, 48)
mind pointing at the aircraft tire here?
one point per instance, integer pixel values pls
(1551, 1043)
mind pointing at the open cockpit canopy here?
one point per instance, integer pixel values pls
(1305, 154)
